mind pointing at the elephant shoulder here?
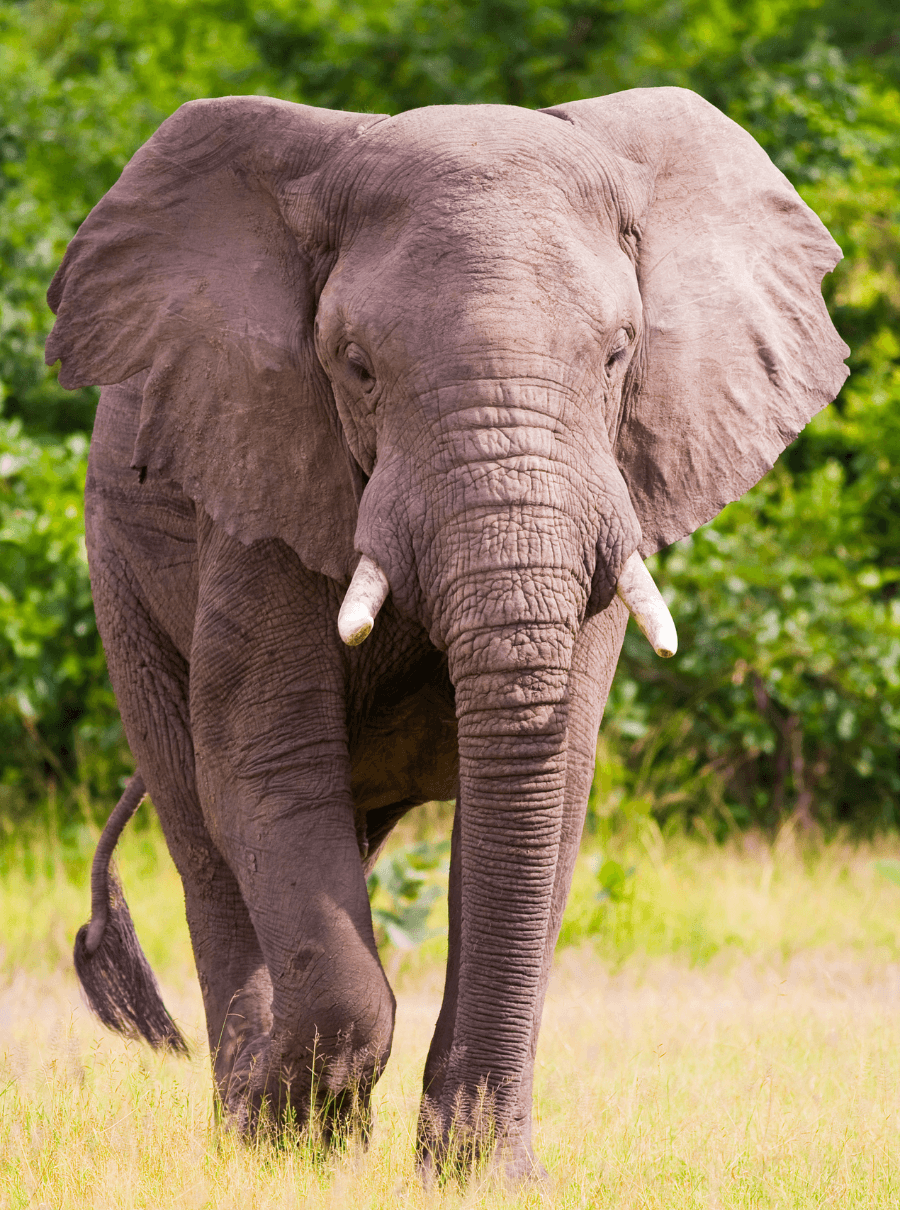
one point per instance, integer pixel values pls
(142, 527)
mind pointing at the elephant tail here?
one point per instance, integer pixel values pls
(115, 976)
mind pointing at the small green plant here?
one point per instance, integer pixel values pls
(890, 868)
(403, 887)
(613, 881)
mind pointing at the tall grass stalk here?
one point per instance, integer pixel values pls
(722, 1034)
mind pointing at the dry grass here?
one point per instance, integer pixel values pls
(731, 1038)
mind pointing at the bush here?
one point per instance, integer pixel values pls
(785, 696)
(58, 718)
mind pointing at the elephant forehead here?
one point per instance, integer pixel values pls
(454, 154)
(492, 262)
(473, 136)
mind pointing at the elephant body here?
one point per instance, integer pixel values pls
(496, 353)
(143, 541)
(400, 710)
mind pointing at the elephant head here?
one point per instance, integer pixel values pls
(498, 353)
(621, 292)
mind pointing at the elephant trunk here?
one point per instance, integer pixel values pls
(510, 640)
(512, 749)
(507, 542)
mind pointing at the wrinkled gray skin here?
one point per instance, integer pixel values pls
(495, 350)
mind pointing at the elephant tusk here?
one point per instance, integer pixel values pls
(646, 606)
(365, 596)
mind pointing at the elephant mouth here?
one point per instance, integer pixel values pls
(369, 589)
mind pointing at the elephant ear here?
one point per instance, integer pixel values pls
(738, 351)
(200, 267)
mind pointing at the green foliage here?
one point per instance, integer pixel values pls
(403, 888)
(890, 868)
(56, 708)
(83, 86)
(612, 880)
(382, 58)
(788, 685)
(785, 696)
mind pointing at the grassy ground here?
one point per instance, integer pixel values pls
(722, 1031)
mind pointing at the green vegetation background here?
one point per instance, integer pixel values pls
(785, 699)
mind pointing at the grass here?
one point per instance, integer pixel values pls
(723, 1032)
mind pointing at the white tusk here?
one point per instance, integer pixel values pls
(646, 606)
(365, 596)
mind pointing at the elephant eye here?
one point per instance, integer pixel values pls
(619, 348)
(359, 365)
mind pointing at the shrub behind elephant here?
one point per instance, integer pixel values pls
(500, 354)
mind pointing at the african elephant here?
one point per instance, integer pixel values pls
(501, 355)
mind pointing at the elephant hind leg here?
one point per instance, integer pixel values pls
(376, 826)
(150, 678)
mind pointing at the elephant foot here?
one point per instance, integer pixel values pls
(472, 1143)
(325, 1102)
(526, 1169)
(514, 1168)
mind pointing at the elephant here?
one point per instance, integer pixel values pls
(393, 410)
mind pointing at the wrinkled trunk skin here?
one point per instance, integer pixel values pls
(512, 739)
(510, 635)
(511, 533)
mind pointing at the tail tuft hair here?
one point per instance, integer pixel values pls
(118, 983)
(116, 978)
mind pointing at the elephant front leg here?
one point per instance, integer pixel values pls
(273, 773)
(332, 1011)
